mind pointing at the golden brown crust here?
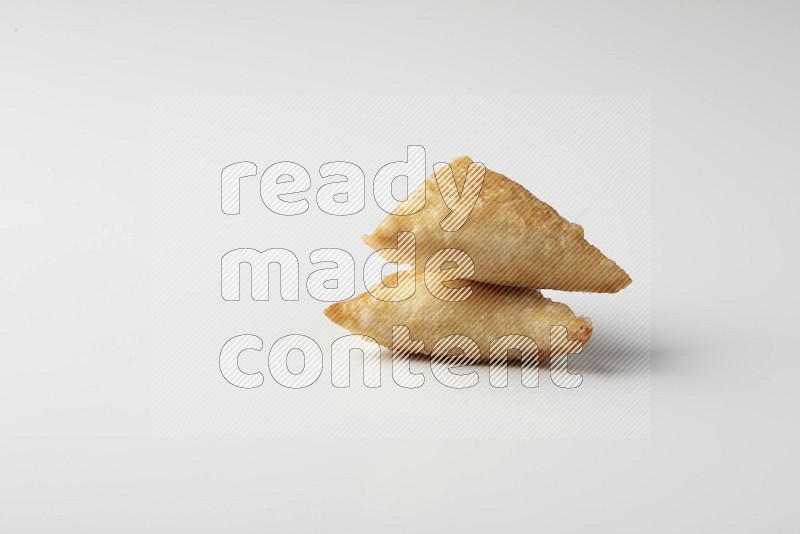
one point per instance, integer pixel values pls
(514, 238)
(489, 313)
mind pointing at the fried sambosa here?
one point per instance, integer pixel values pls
(490, 312)
(514, 238)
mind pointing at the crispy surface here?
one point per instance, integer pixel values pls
(514, 238)
(490, 312)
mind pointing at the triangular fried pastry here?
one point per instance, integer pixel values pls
(489, 313)
(514, 238)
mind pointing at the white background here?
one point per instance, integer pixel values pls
(76, 452)
(588, 156)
